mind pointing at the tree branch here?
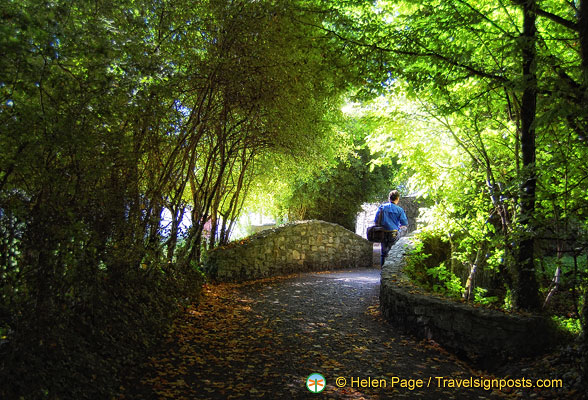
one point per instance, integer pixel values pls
(559, 20)
(555, 18)
(426, 53)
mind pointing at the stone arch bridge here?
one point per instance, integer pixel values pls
(296, 247)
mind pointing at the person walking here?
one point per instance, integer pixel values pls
(393, 220)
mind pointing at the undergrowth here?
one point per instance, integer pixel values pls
(433, 273)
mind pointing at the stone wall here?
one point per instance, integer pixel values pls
(486, 337)
(411, 206)
(300, 246)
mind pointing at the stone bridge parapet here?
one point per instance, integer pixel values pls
(485, 336)
(296, 247)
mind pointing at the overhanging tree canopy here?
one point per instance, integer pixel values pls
(112, 112)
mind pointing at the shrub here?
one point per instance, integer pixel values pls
(83, 345)
(444, 281)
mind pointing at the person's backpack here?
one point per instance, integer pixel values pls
(378, 234)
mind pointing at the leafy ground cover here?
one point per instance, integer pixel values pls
(264, 338)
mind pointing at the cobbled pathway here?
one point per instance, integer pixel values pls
(289, 328)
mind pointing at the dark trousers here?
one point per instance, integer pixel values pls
(387, 244)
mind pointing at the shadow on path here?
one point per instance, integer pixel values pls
(263, 339)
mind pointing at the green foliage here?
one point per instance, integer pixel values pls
(427, 255)
(336, 194)
(449, 77)
(415, 264)
(105, 325)
(570, 325)
(508, 303)
(429, 272)
(445, 87)
(111, 114)
(481, 298)
(445, 281)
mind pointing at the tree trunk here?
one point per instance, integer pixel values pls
(526, 294)
(172, 241)
(554, 286)
(470, 285)
(584, 345)
(583, 25)
(583, 33)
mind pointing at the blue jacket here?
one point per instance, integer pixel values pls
(393, 217)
